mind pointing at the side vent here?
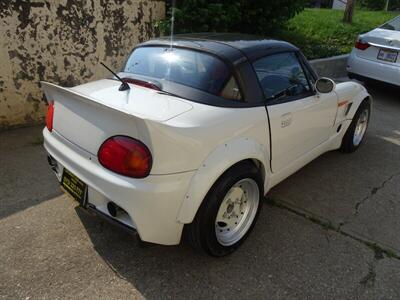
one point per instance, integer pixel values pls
(348, 108)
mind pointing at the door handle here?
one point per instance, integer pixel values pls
(286, 119)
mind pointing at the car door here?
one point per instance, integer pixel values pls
(300, 119)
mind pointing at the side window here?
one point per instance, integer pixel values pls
(281, 76)
(231, 90)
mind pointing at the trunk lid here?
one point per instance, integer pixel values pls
(381, 40)
(88, 114)
(384, 37)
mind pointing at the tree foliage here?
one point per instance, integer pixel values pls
(380, 4)
(246, 16)
(372, 4)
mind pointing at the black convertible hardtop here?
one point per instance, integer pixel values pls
(235, 49)
(232, 46)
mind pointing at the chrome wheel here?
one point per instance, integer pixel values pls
(237, 212)
(361, 127)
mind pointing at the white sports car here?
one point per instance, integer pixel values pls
(376, 54)
(188, 139)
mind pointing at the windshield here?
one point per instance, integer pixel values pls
(188, 67)
(392, 24)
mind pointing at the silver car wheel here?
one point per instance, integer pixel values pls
(361, 127)
(237, 212)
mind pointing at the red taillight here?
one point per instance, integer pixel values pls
(50, 116)
(126, 156)
(142, 83)
(361, 45)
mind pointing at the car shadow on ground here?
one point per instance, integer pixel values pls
(279, 259)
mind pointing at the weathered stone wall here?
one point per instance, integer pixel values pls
(63, 41)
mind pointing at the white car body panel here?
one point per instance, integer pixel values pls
(217, 163)
(220, 159)
(305, 123)
(192, 144)
(87, 119)
(157, 196)
(366, 63)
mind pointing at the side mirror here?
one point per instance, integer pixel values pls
(325, 85)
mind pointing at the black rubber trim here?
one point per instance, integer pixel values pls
(290, 99)
(270, 139)
(304, 67)
(307, 64)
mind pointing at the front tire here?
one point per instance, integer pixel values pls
(356, 132)
(228, 212)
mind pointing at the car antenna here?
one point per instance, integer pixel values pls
(124, 86)
(172, 24)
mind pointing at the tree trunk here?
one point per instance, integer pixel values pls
(386, 5)
(348, 12)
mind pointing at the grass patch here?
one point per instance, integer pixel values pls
(321, 32)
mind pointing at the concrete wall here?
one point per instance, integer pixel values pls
(62, 41)
(331, 67)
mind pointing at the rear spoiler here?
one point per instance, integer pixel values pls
(51, 90)
(143, 103)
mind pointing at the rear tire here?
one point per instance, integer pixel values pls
(228, 212)
(356, 132)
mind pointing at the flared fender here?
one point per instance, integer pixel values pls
(216, 163)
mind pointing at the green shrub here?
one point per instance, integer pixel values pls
(246, 16)
(321, 32)
(372, 4)
(394, 5)
(379, 4)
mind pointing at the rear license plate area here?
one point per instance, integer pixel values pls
(388, 55)
(74, 186)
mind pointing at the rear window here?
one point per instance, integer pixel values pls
(392, 24)
(191, 68)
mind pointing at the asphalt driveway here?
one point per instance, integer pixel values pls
(329, 231)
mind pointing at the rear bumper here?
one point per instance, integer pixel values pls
(152, 203)
(362, 68)
(91, 208)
